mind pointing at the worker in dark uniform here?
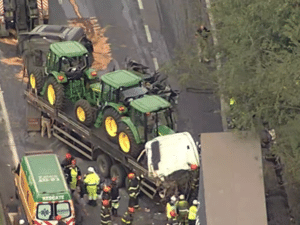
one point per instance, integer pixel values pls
(195, 176)
(46, 124)
(78, 206)
(67, 161)
(59, 219)
(182, 207)
(193, 213)
(202, 35)
(128, 216)
(115, 196)
(105, 213)
(133, 191)
(73, 174)
(106, 195)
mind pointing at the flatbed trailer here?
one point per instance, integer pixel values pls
(92, 143)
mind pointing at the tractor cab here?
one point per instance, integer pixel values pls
(69, 58)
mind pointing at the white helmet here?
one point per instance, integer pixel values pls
(91, 170)
(21, 221)
(195, 202)
(173, 198)
(181, 197)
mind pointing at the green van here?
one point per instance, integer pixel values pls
(42, 189)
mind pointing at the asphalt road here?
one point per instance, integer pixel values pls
(125, 22)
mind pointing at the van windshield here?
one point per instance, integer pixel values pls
(48, 211)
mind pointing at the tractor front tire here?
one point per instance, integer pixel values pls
(84, 112)
(55, 93)
(127, 142)
(36, 79)
(110, 123)
(104, 164)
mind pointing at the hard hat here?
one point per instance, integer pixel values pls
(105, 202)
(58, 217)
(131, 175)
(113, 179)
(21, 221)
(195, 202)
(181, 197)
(74, 162)
(173, 213)
(194, 167)
(173, 198)
(79, 178)
(68, 156)
(91, 170)
(131, 209)
(106, 189)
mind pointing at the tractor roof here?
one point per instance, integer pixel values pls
(121, 78)
(68, 49)
(45, 177)
(150, 103)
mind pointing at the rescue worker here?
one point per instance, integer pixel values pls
(182, 207)
(133, 191)
(59, 219)
(193, 213)
(92, 181)
(46, 124)
(115, 196)
(195, 176)
(171, 211)
(202, 35)
(73, 174)
(128, 216)
(78, 206)
(106, 195)
(66, 163)
(105, 213)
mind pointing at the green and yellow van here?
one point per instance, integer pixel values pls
(42, 189)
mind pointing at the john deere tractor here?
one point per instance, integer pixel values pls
(66, 74)
(129, 116)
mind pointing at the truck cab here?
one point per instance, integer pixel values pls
(42, 189)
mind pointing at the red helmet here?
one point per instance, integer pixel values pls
(113, 179)
(105, 202)
(173, 213)
(58, 217)
(131, 175)
(74, 162)
(68, 156)
(194, 167)
(131, 209)
(79, 178)
(106, 189)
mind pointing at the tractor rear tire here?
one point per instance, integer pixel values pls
(127, 142)
(84, 112)
(55, 93)
(110, 124)
(36, 79)
(117, 170)
(104, 164)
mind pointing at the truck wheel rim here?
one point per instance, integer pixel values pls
(124, 142)
(32, 81)
(111, 126)
(80, 114)
(51, 94)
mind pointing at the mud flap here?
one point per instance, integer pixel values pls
(33, 118)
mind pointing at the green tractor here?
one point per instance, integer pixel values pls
(66, 75)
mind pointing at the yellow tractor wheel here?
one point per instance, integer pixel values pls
(84, 112)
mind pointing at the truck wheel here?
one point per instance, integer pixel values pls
(104, 164)
(55, 93)
(36, 79)
(118, 171)
(110, 123)
(127, 141)
(84, 112)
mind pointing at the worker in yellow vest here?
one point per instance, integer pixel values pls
(171, 211)
(193, 213)
(73, 174)
(92, 181)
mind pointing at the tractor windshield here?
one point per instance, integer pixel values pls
(78, 62)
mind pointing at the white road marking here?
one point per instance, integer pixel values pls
(155, 63)
(140, 4)
(149, 38)
(11, 140)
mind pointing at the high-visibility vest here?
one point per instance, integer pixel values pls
(92, 179)
(169, 209)
(192, 212)
(74, 173)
